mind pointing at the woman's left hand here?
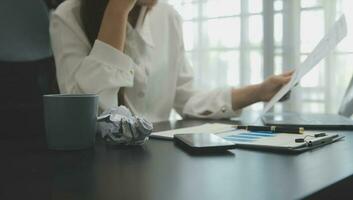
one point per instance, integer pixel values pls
(272, 85)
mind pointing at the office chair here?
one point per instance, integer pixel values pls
(27, 69)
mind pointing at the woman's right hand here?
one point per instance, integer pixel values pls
(123, 6)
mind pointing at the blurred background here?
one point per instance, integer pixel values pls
(240, 42)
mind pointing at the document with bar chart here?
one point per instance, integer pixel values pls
(278, 141)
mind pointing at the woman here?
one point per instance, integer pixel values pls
(111, 47)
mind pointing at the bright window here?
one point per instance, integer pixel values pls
(226, 41)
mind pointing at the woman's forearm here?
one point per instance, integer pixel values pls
(264, 91)
(113, 26)
(242, 97)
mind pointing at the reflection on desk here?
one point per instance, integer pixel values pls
(159, 170)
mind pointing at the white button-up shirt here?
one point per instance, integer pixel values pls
(153, 68)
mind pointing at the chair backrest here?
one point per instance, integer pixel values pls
(24, 34)
(27, 69)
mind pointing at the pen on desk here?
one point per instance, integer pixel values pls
(274, 129)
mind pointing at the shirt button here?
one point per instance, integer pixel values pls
(131, 72)
(224, 109)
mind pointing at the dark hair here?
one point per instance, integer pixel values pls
(52, 4)
(92, 12)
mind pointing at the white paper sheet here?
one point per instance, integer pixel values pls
(205, 128)
(321, 51)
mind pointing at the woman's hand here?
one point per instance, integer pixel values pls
(242, 97)
(148, 3)
(272, 85)
(114, 23)
(122, 6)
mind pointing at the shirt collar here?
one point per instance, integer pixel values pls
(143, 27)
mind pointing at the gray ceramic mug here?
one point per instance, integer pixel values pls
(70, 121)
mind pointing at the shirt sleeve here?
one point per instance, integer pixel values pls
(101, 69)
(214, 104)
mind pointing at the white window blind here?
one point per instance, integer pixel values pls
(241, 42)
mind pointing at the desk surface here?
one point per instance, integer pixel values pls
(161, 171)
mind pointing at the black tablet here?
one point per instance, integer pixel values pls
(203, 142)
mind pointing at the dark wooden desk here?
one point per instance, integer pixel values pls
(161, 171)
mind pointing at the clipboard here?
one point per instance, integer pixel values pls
(264, 141)
(283, 142)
